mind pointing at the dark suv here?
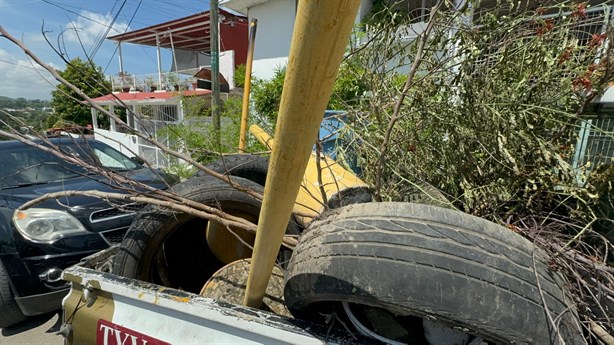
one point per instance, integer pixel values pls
(37, 243)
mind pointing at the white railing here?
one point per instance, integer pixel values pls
(130, 144)
(170, 81)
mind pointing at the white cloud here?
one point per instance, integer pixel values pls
(20, 78)
(90, 28)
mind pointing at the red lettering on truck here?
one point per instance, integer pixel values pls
(108, 333)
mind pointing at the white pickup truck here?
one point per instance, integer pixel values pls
(364, 272)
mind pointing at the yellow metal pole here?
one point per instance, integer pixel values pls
(247, 85)
(321, 33)
(262, 136)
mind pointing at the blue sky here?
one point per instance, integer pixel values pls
(67, 22)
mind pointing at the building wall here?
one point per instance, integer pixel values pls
(125, 143)
(187, 60)
(273, 35)
(234, 32)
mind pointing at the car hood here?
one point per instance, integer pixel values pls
(17, 196)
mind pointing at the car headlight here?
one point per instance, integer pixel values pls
(41, 224)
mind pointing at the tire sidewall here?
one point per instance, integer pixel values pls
(11, 313)
(155, 225)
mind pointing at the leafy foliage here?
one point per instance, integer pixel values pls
(90, 79)
(492, 121)
(239, 77)
(347, 91)
(491, 115)
(489, 112)
(349, 88)
(266, 95)
(195, 135)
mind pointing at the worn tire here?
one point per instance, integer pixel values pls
(413, 259)
(255, 168)
(250, 167)
(10, 314)
(177, 241)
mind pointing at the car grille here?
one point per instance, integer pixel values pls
(114, 236)
(115, 212)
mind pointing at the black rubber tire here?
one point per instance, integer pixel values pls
(428, 261)
(255, 167)
(247, 166)
(179, 238)
(10, 314)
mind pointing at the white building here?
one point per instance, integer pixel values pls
(159, 99)
(275, 27)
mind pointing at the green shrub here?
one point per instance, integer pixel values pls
(490, 116)
(265, 97)
(195, 135)
(239, 77)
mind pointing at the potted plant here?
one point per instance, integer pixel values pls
(151, 85)
(173, 79)
(126, 81)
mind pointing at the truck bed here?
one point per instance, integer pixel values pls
(103, 308)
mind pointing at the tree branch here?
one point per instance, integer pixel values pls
(397, 108)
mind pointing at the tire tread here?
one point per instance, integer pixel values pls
(383, 249)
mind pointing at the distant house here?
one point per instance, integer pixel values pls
(189, 40)
(161, 98)
(155, 109)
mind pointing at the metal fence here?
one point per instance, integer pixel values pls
(159, 112)
(584, 31)
(595, 144)
(179, 80)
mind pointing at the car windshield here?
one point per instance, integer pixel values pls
(26, 165)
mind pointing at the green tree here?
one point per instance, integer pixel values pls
(90, 79)
(266, 95)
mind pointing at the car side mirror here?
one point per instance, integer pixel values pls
(138, 160)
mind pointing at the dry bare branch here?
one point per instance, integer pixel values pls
(397, 108)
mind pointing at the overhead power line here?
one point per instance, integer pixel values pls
(106, 32)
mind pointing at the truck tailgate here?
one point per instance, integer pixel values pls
(103, 308)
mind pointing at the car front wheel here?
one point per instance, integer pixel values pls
(10, 314)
